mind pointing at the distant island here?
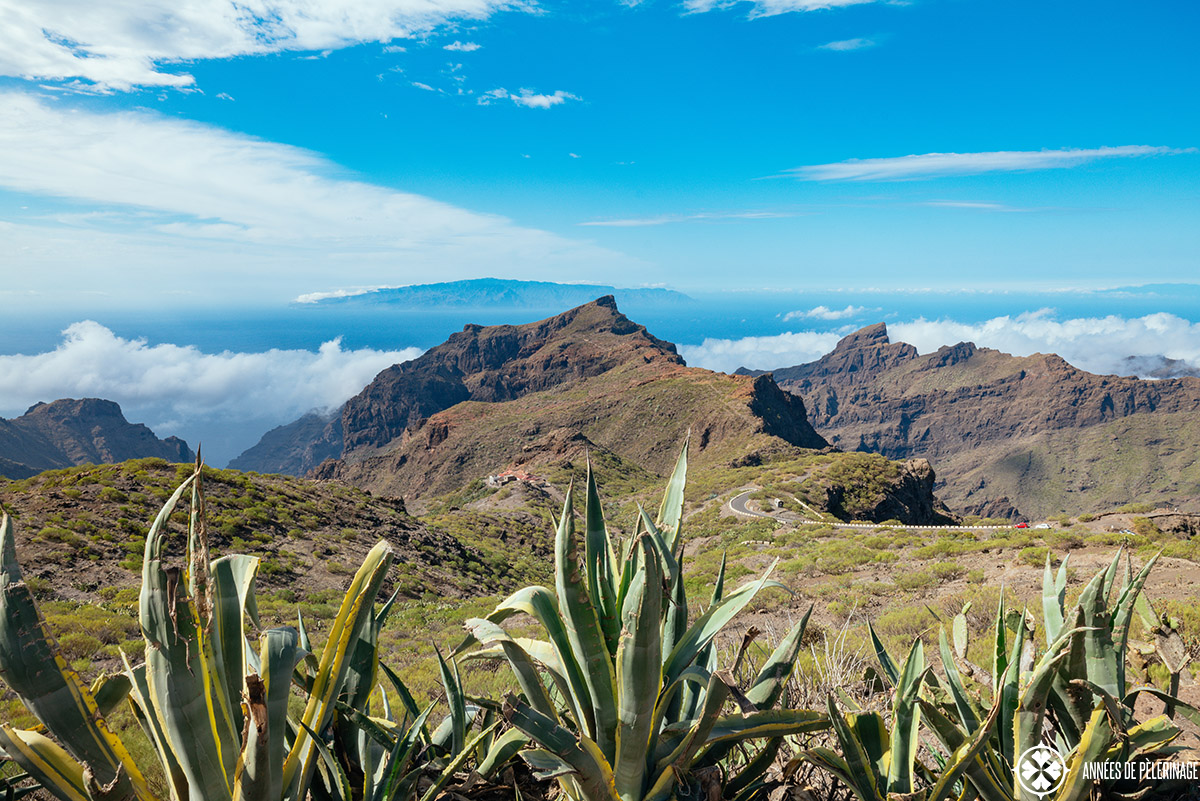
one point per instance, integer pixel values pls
(494, 292)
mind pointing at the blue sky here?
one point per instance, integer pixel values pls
(248, 153)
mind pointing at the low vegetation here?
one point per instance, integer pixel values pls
(615, 684)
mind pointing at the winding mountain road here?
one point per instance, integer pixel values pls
(737, 505)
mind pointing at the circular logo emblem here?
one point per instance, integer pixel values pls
(1041, 771)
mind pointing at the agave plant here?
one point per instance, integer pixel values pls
(623, 700)
(1075, 697)
(213, 707)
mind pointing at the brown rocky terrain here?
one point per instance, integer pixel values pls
(1032, 432)
(74, 432)
(486, 364)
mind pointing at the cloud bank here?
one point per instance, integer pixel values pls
(759, 353)
(121, 44)
(939, 165)
(167, 386)
(1096, 344)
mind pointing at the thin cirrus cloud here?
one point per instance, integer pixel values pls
(769, 8)
(846, 45)
(124, 44)
(940, 165)
(527, 98)
(174, 186)
(666, 219)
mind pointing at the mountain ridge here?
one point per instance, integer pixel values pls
(70, 432)
(979, 414)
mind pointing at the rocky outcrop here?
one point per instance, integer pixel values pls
(70, 432)
(491, 364)
(995, 424)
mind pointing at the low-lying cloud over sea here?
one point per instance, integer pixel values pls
(1101, 345)
(225, 400)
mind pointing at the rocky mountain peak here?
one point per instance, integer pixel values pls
(871, 336)
(74, 431)
(490, 364)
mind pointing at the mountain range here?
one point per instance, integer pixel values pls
(1031, 433)
(587, 380)
(71, 432)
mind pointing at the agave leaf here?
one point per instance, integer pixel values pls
(503, 749)
(1187, 710)
(1123, 616)
(356, 612)
(906, 720)
(109, 690)
(968, 710)
(679, 759)
(519, 659)
(769, 683)
(639, 673)
(457, 703)
(232, 589)
(46, 761)
(960, 631)
(1053, 599)
(978, 770)
(32, 665)
(600, 562)
(964, 759)
(584, 633)
(1096, 739)
(183, 685)
(670, 513)
(860, 770)
(591, 770)
(1099, 649)
(1033, 704)
(709, 624)
(885, 659)
(279, 654)
(1143, 740)
(395, 767)
(139, 702)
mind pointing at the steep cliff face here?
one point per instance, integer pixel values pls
(73, 432)
(489, 364)
(1000, 426)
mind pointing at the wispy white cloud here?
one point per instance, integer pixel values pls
(1097, 344)
(527, 98)
(166, 384)
(120, 44)
(165, 183)
(844, 45)
(462, 47)
(770, 8)
(824, 313)
(975, 205)
(665, 219)
(938, 165)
